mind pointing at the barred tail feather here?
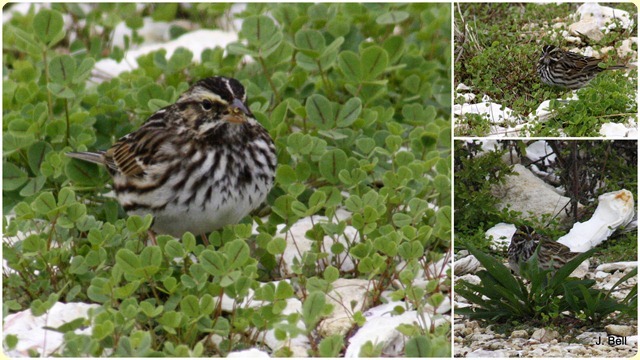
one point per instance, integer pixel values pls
(94, 157)
(616, 67)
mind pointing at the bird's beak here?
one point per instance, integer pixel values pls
(237, 112)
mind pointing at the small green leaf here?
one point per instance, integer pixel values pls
(392, 17)
(137, 224)
(282, 206)
(374, 62)
(320, 112)
(39, 307)
(276, 246)
(278, 115)
(165, 12)
(174, 249)
(170, 284)
(48, 26)
(36, 154)
(189, 242)
(157, 104)
(394, 45)
(62, 69)
(171, 319)
(84, 70)
(299, 208)
(237, 252)
(33, 186)
(365, 145)
(285, 175)
(412, 83)
(349, 63)
(411, 250)
(240, 49)
(429, 140)
(401, 219)
(338, 26)
(190, 307)
(331, 163)
(418, 347)
(312, 308)
(149, 92)
(78, 266)
(83, 173)
(127, 290)
(317, 200)
(26, 40)
(310, 42)
(34, 243)
(284, 291)
(12, 177)
(296, 189)
(151, 256)
(127, 260)
(262, 33)
(266, 292)
(331, 274)
(349, 112)
(11, 341)
(180, 60)
(61, 91)
(103, 330)
(393, 143)
(331, 346)
(99, 290)
(150, 310)
(66, 196)
(44, 204)
(207, 305)
(213, 262)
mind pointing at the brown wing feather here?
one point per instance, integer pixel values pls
(579, 63)
(121, 158)
(134, 154)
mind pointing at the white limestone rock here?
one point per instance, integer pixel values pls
(343, 296)
(588, 27)
(381, 328)
(500, 236)
(195, 41)
(620, 330)
(526, 193)
(34, 334)
(617, 130)
(248, 354)
(298, 244)
(466, 265)
(298, 345)
(604, 16)
(617, 266)
(615, 209)
(485, 354)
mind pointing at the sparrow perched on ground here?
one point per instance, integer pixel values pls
(566, 69)
(551, 255)
(196, 165)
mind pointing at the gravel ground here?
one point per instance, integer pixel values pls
(485, 340)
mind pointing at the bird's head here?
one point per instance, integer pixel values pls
(550, 53)
(215, 104)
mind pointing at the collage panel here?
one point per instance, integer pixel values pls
(317, 180)
(227, 180)
(545, 70)
(545, 243)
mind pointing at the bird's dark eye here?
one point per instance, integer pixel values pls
(207, 105)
